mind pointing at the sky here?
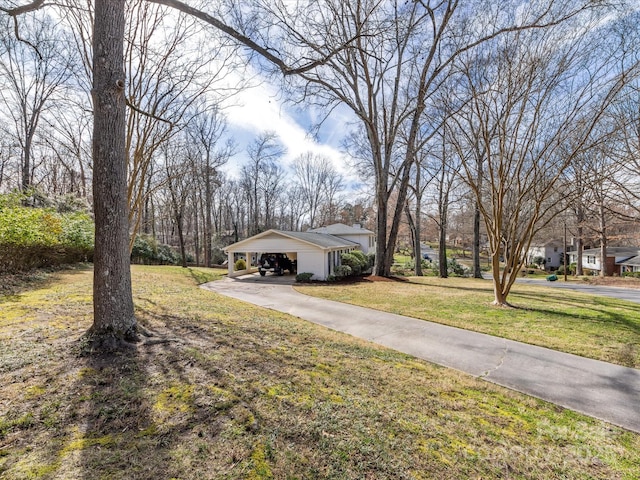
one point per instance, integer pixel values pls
(261, 108)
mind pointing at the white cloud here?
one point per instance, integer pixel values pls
(261, 108)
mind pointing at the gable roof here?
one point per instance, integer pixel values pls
(319, 240)
(341, 229)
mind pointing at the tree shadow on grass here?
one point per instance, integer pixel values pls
(162, 409)
(607, 315)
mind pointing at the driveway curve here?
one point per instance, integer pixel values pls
(599, 389)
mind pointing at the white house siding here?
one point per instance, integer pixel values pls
(313, 262)
(552, 255)
(366, 241)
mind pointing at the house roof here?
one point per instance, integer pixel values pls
(632, 262)
(341, 229)
(615, 251)
(548, 243)
(320, 240)
(323, 240)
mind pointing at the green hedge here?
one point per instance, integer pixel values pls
(41, 237)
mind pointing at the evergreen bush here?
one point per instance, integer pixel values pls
(304, 277)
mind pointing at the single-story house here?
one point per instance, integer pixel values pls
(363, 237)
(552, 252)
(317, 253)
(619, 259)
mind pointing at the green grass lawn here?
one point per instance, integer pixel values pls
(226, 390)
(596, 327)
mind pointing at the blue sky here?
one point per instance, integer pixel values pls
(261, 108)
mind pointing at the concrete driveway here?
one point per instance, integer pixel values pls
(599, 389)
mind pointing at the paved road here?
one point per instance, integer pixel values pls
(630, 294)
(602, 390)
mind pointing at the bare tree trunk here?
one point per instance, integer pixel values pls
(26, 160)
(579, 249)
(442, 247)
(603, 242)
(113, 319)
(208, 230)
(477, 270)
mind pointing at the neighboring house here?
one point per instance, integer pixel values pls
(552, 252)
(630, 265)
(363, 237)
(618, 261)
(317, 253)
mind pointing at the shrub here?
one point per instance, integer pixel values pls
(631, 274)
(304, 277)
(453, 268)
(357, 263)
(371, 259)
(33, 237)
(146, 250)
(218, 256)
(342, 271)
(539, 261)
(240, 264)
(571, 269)
(364, 261)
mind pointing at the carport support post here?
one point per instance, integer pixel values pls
(230, 265)
(248, 257)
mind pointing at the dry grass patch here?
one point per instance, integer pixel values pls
(596, 327)
(236, 391)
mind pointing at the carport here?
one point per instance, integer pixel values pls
(316, 253)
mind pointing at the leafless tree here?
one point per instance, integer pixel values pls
(319, 183)
(524, 112)
(262, 180)
(205, 132)
(33, 72)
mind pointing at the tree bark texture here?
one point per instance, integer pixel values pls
(113, 300)
(477, 269)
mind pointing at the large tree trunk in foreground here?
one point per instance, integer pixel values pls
(113, 319)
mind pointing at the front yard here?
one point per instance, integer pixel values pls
(226, 390)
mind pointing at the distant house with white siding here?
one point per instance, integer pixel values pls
(619, 259)
(552, 252)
